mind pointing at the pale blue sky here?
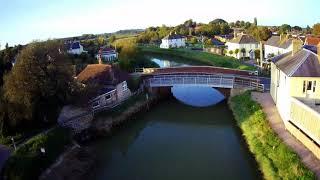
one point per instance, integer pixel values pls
(25, 20)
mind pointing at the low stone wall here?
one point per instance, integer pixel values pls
(105, 127)
(312, 146)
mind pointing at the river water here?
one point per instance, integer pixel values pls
(175, 141)
(189, 138)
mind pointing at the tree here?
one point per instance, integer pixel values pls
(255, 22)
(284, 29)
(193, 40)
(112, 39)
(260, 33)
(101, 41)
(38, 84)
(218, 21)
(243, 51)
(316, 29)
(297, 28)
(236, 51)
(257, 53)
(231, 52)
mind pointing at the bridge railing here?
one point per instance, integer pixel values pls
(224, 81)
(207, 80)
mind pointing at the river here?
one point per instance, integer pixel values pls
(177, 141)
(194, 137)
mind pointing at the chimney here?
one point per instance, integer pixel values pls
(296, 46)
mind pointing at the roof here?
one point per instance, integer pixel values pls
(105, 50)
(312, 41)
(304, 63)
(97, 73)
(102, 74)
(216, 42)
(275, 42)
(73, 45)
(173, 36)
(244, 39)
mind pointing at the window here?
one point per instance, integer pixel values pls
(124, 86)
(107, 97)
(314, 86)
(304, 86)
(309, 85)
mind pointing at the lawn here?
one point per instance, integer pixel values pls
(200, 57)
(276, 160)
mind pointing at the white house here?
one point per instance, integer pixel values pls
(112, 83)
(295, 89)
(75, 48)
(242, 41)
(107, 54)
(173, 41)
(277, 45)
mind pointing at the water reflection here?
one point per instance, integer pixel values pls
(198, 96)
(174, 141)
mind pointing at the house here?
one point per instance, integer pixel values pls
(173, 41)
(312, 41)
(107, 54)
(111, 82)
(244, 41)
(224, 38)
(75, 48)
(277, 45)
(295, 89)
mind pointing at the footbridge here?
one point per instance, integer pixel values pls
(201, 76)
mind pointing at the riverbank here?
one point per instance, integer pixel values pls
(276, 160)
(199, 57)
(118, 117)
(78, 161)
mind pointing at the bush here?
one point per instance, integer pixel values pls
(27, 162)
(276, 160)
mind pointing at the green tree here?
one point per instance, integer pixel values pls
(243, 51)
(193, 40)
(101, 41)
(230, 52)
(39, 83)
(255, 22)
(284, 29)
(236, 51)
(112, 39)
(316, 29)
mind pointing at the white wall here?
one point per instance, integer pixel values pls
(174, 43)
(247, 47)
(275, 50)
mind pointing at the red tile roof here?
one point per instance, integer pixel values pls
(95, 72)
(312, 41)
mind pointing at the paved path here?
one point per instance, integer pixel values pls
(277, 125)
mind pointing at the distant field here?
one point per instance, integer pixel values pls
(199, 56)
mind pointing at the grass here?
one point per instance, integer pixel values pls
(202, 57)
(275, 159)
(27, 162)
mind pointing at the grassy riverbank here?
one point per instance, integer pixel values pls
(276, 160)
(199, 57)
(27, 162)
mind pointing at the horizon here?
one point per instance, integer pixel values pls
(74, 18)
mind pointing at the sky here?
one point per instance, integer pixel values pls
(23, 21)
